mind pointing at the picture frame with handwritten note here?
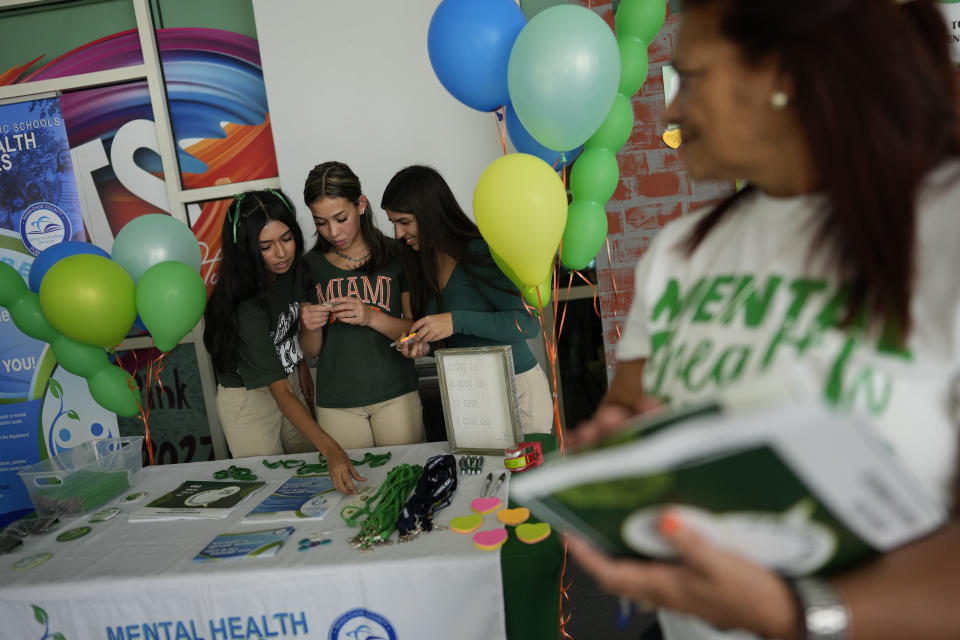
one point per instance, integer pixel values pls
(479, 399)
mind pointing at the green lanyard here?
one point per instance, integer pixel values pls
(377, 518)
(320, 467)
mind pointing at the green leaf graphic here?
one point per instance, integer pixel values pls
(59, 636)
(39, 614)
(55, 388)
(72, 414)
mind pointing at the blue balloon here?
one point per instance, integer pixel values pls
(469, 43)
(53, 254)
(525, 143)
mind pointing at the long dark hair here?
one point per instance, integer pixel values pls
(242, 272)
(442, 226)
(875, 95)
(337, 180)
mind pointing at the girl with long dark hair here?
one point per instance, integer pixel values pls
(458, 294)
(252, 332)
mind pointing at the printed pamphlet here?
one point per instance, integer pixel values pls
(248, 544)
(298, 497)
(197, 499)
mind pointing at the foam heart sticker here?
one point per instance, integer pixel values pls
(485, 505)
(672, 138)
(466, 524)
(513, 516)
(490, 540)
(533, 533)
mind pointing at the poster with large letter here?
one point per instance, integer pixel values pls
(43, 408)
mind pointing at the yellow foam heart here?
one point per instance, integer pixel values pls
(672, 138)
(533, 533)
(513, 516)
(466, 524)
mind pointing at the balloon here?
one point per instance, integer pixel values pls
(114, 390)
(616, 127)
(533, 7)
(80, 359)
(584, 235)
(153, 238)
(534, 298)
(54, 253)
(28, 316)
(520, 206)
(633, 64)
(88, 298)
(469, 45)
(640, 19)
(563, 75)
(524, 142)
(595, 175)
(12, 286)
(170, 297)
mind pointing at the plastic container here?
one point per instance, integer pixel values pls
(83, 478)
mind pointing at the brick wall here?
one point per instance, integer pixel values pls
(654, 189)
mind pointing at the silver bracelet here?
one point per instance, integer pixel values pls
(823, 615)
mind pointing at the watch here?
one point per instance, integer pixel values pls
(823, 615)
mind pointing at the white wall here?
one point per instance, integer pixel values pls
(351, 81)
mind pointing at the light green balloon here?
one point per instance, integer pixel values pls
(584, 235)
(595, 175)
(616, 127)
(634, 61)
(114, 390)
(640, 18)
(89, 298)
(154, 238)
(170, 297)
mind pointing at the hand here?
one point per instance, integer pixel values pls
(433, 328)
(413, 349)
(352, 311)
(313, 316)
(609, 418)
(710, 583)
(341, 470)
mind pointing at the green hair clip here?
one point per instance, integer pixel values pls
(233, 213)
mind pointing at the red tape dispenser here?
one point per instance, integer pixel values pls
(526, 455)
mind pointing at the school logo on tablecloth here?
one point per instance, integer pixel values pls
(43, 224)
(362, 624)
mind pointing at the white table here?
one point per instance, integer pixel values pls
(134, 581)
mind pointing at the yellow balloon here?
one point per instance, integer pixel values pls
(520, 207)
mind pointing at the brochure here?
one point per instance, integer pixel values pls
(248, 544)
(799, 489)
(197, 500)
(298, 497)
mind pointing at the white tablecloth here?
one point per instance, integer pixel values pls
(134, 581)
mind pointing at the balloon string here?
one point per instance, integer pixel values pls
(564, 596)
(501, 129)
(596, 307)
(616, 291)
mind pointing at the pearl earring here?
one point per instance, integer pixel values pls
(779, 100)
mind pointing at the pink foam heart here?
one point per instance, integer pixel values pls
(490, 539)
(485, 505)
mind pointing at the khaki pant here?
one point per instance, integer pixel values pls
(534, 401)
(391, 422)
(253, 425)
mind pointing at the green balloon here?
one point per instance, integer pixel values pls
(28, 316)
(84, 360)
(595, 175)
(12, 285)
(170, 297)
(89, 298)
(633, 64)
(114, 390)
(616, 127)
(534, 295)
(584, 235)
(640, 18)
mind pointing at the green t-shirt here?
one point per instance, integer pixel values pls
(357, 366)
(485, 316)
(268, 346)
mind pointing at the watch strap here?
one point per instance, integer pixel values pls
(823, 615)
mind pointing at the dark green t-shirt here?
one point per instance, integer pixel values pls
(268, 346)
(357, 366)
(484, 315)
